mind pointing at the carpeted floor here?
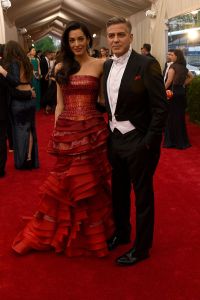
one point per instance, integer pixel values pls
(171, 273)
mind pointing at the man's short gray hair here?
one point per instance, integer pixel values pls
(119, 20)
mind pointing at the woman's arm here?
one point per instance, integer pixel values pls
(189, 78)
(100, 105)
(3, 71)
(39, 70)
(99, 63)
(60, 103)
(170, 78)
(101, 99)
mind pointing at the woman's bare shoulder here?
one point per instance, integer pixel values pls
(58, 67)
(98, 63)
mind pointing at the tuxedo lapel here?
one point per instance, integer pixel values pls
(133, 68)
(131, 71)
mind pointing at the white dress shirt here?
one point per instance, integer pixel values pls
(113, 85)
(167, 70)
(48, 62)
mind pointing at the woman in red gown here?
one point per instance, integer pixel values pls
(74, 214)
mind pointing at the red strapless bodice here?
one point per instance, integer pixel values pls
(80, 97)
(80, 127)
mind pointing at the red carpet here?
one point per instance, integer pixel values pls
(171, 273)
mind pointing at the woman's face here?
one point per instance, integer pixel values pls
(33, 52)
(78, 42)
(173, 57)
(103, 52)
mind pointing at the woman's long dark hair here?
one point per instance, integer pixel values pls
(13, 52)
(69, 64)
(180, 57)
(2, 47)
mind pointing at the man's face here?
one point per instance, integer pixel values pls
(169, 56)
(119, 38)
(144, 51)
(48, 55)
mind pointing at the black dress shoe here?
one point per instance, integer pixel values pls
(116, 240)
(132, 257)
(2, 173)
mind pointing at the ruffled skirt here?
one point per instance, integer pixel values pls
(74, 215)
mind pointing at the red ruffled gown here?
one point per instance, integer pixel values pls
(74, 215)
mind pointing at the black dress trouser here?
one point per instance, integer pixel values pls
(3, 146)
(133, 164)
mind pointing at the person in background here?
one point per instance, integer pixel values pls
(95, 53)
(35, 82)
(7, 89)
(104, 54)
(146, 50)
(50, 95)
(9, 125)
(4, 116)
(167, 64)
(74, 216)
(18, 67)
(45, 69)
(39, 54)
(137, 108)
(178, 77)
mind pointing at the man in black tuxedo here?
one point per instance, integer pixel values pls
(4, 103)
(45, 67)
(137, 108)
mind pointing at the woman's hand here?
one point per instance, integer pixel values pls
(3, 71)
(170, 78)
(33, 93)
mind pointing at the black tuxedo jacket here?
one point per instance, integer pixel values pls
(4, 98)
(141, 98)
(44, 67)
(165, 68)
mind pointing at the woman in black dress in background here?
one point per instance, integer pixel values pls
(7, 81)
(17, 65)
(178, 77)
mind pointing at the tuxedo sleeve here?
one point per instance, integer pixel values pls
(3, 81)
(154, 84)
(100, 107)
(13, 76)
(44, 67)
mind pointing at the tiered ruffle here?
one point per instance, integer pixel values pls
(74, 215)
